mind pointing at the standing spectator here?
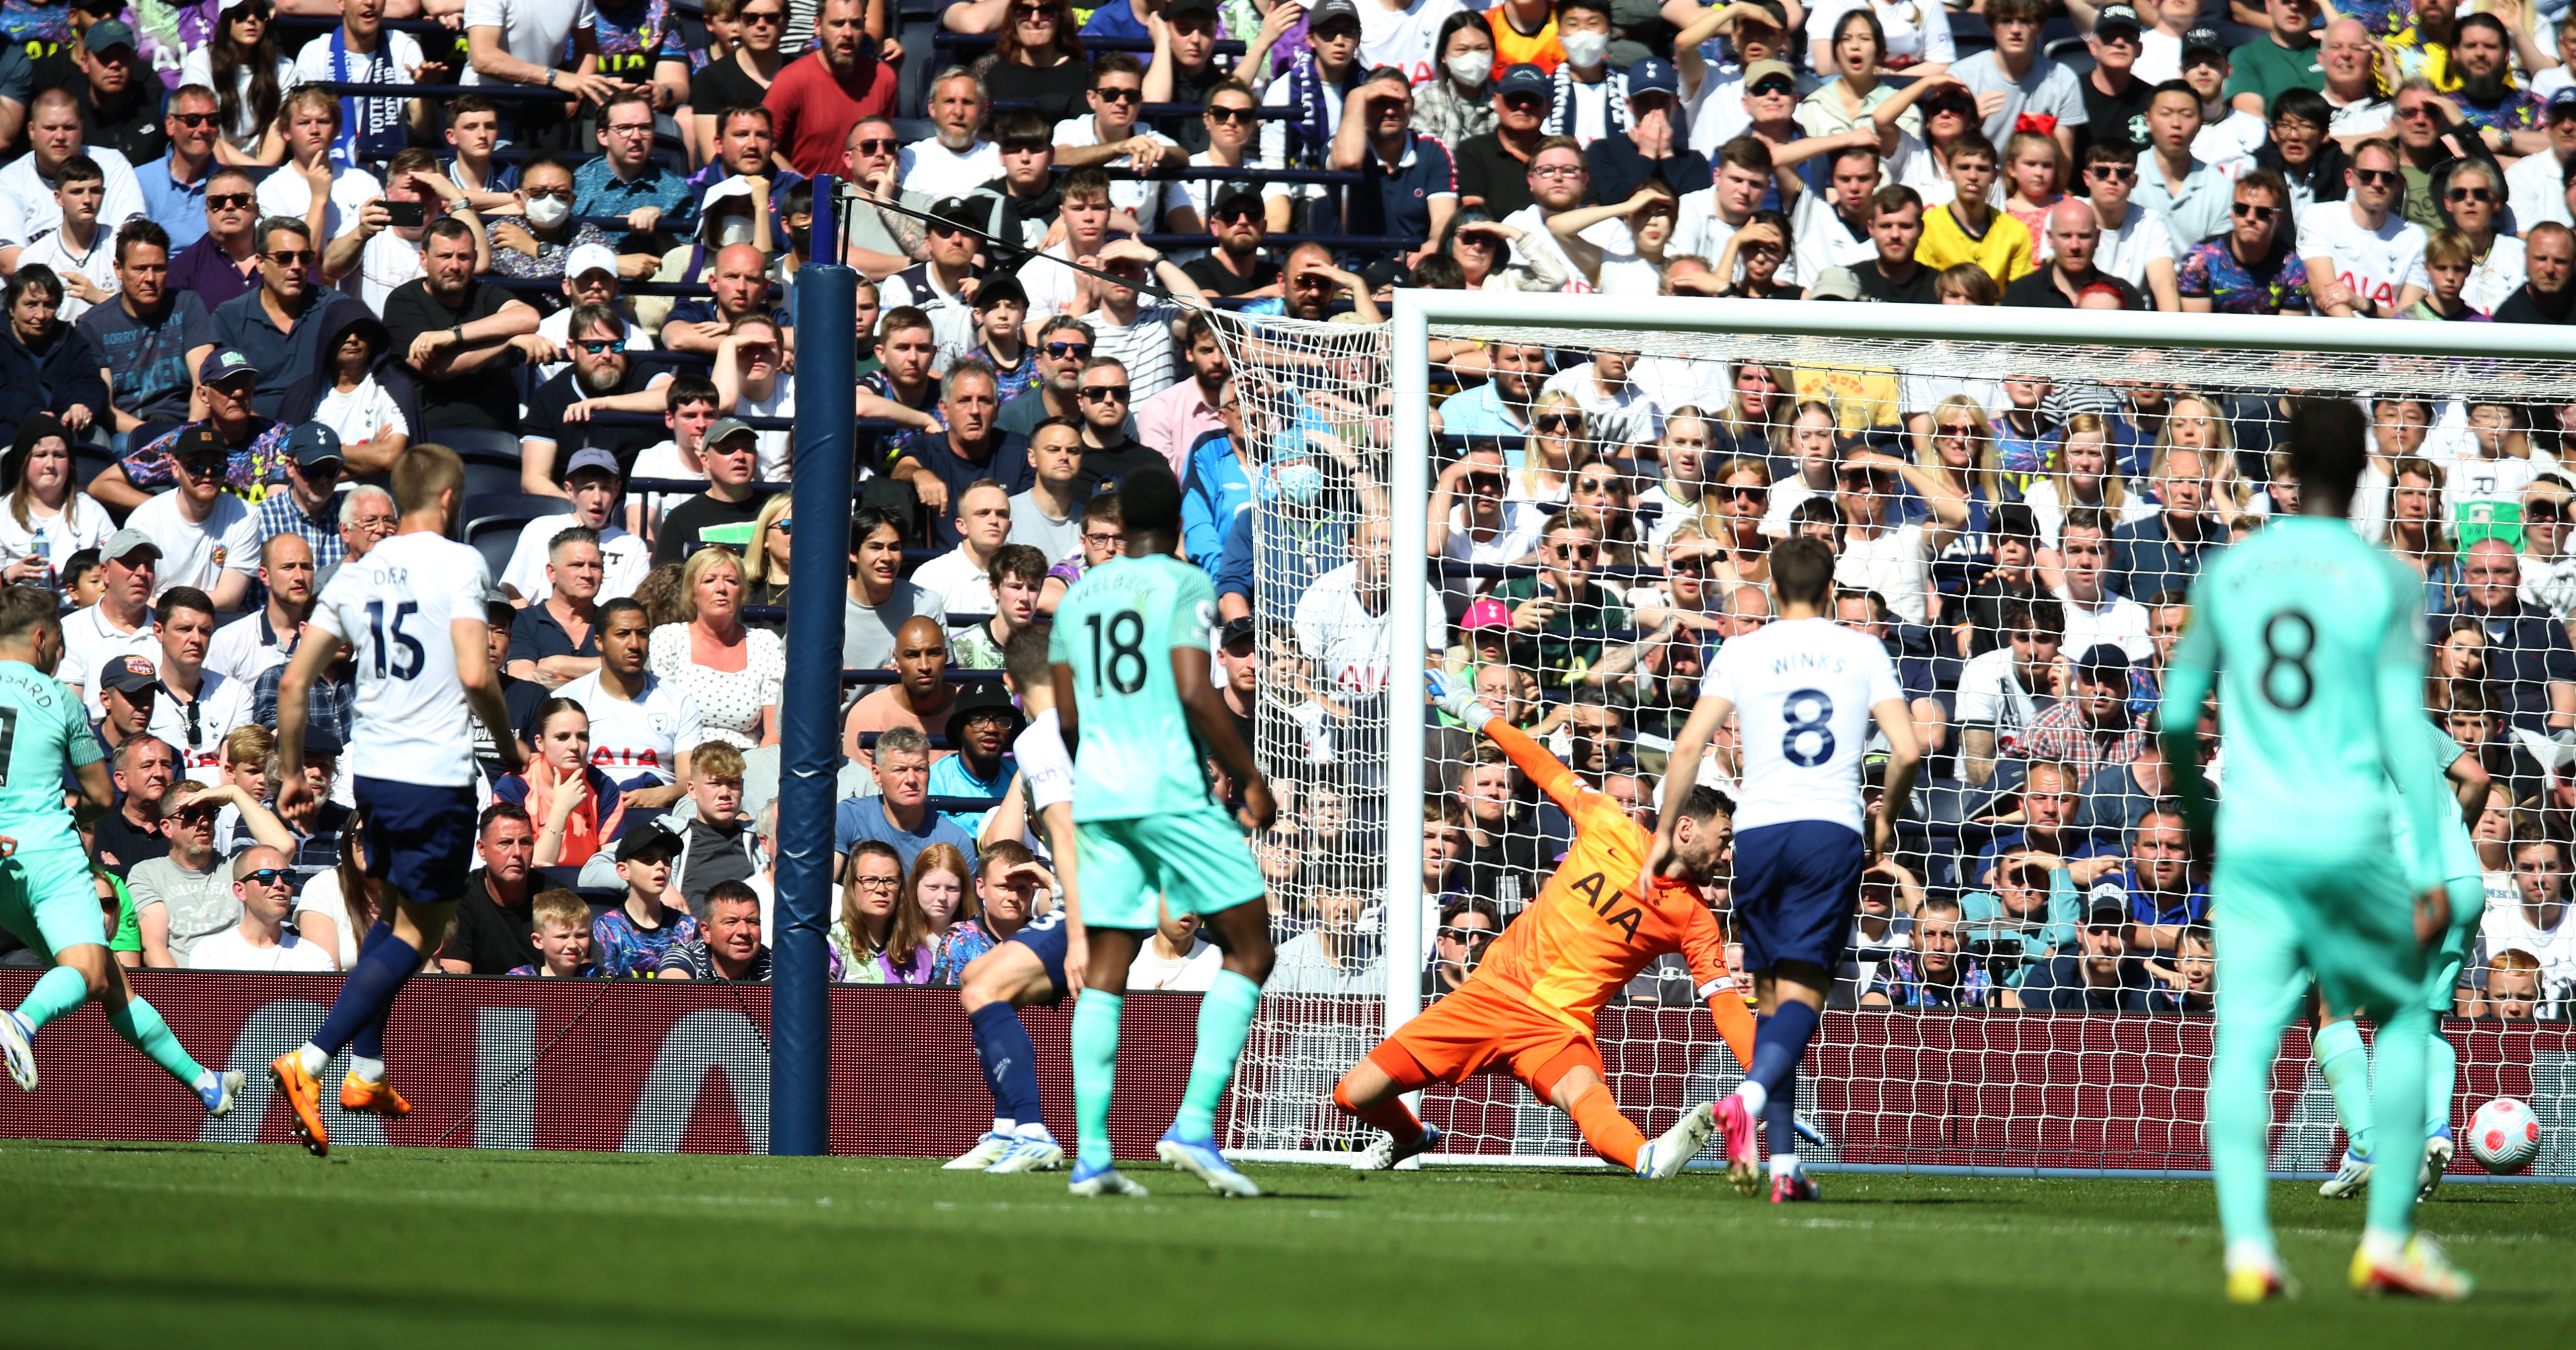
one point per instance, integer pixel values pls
(45, 364)
(489, 934)
(730, 950)
(2529, 663)
(54, 135)
(263, 889)
(2283, 58)
(955, 158)
(460, 336)
(818, 97)
(225, 262)
(2032, 85)
(2362, 258)
(880, 600)
(193, 708)
(120, 622)
(920, 697)
(626, 181)
(255, 643)
(45, 518)
(363, 51)
(545, 42)
(150, 336)
(733, 671)
(174, 186)
(742, 76)
(629, 942)
(184, 897)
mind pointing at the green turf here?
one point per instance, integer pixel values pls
(133, 1246)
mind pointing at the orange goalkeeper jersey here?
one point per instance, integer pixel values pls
(1586, 936)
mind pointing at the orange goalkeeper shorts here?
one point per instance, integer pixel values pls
(1480, 1030)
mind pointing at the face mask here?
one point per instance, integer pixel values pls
(733, 230)
(1301, 484)
(548, 212)
(1472, 68)
(1584, 48)
(802, 236)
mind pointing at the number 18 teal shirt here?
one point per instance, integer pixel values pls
(1117, 629)
(2314, 641)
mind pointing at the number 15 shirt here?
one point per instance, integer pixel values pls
(1802, 690)
(391, 609)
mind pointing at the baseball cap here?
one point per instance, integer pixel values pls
(1833, 283)
(127, 675)
(1765, 68)
(1653, 75)
(649, 839)
(953, 212)
(2104, 907)
(2015, 520)
(725, 428)
(2203, 40)
(195, 440)
(1524, 78)
(2116, 16)
(1236, 630)
(314, 443)
(1177, 8)
(1485, 613)
(223, 363)
(1325, 11)
(124, 542)
(593, 458)
(590, 258)
(1387, 272)
(2103, 659)
(995, 290)
(102, 36)
(2562, 103)
(320, 739)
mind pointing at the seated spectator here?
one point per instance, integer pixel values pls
(1008, 881)
(592, 480)
(731, 670)
(642, 726)
(76, 250)
(732, 455)
(2540, 925)
(193, 708)
(1931, 971)
(2254, 267)
(1335, 956)
(2027, 912)
(600, 379)
(2536, 185)
(2549, 260)
(1649, 143)
(983, 724)
(729, 947)
(1044, 516)
(254, 449)
(225, 263)
(47, 518)
(897, 813)
(2473, 198)
(941, 465)
(1967, 228)
(1111, 450)
(591, 277)
(1178, 957)
(389, 254)
(473, 132)
(1235, 267)
(1468, 925)
(460, 336)
(150, 335)
(1036, 53)
(562, 938)
(489, 934)
(1103, 537)
(206, 537)
(879, 939)
(920, 696)
(2167, 549)
(1062, 348)
(718, 844)
(2363, 258)
(119, 622)
(2000, 692)
(2098, 977)
(1109, 136)
(309, 509)
(1001, 336)
(2073, 235)
(577, 809)
(555, 641)
(688, 409)
(752, 380)
(363, 51)
(1138, 335)
(1173, 422)
(1016, 576)
(2092, 726)
(2163, 890)
(2095, 614)
(263, 888)
(143, 771)
(55, 133)
(538, 245)
(2514, 991)
(184, 897)
(629, 942)
(902, 387)
(625, 181)
(174, 186)
(739, 280)
(2190, 985)
(46, 365)
(957, 577)
(816, 99)
(939, 285)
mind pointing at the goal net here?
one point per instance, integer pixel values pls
(1568, 502)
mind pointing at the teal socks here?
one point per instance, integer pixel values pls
(2441, 1074)
(2397, 1101)
(141, 1026)
(1095, 1073)
(56, 994)
(1225, 1019)
(2339, 1052)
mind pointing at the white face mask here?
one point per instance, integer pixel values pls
(733, 230)
(1471, 68)
(547, 212)
(1585, 48)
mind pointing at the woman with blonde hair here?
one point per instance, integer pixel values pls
(1748, 424)
(766, 569)
(733, 671)
(2196, 422)
(1961, 449)
(1741, 489)
(1558, 447)
(2084, 473)
(1602, 496)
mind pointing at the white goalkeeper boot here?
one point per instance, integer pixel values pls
(1672, 1152)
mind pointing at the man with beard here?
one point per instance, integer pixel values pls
(982, 723)
(460, 336)
(2099, 976)
(818, 97)
(2503, 119)
(1500, 406)
(600, 380)
(953, 159)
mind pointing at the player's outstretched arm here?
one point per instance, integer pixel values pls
(1214, 727)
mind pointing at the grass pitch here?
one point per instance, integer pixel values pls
(129, 1246)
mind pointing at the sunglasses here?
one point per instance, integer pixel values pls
(1524, 102)
(2111, 173)
(1484, 482)
(2253, 212)
(1575, 550)
(1559, 423)
(228, 201)
(561, 194)
(1104, 393)
(784, 525)
(293, 257)
(2469, 195)
(747, 19)
(879, 146)
(196, 815)
(1232, 115)
(193, 119)
(602, 346)
(1078, 351)
(1239, 214)
(1689, 567)
(628, 128)
(1033, 11)
(268, 876)
(1960, 106)
(1773, 86)
(1747, 492)
(2374, 177)
(1119, 95)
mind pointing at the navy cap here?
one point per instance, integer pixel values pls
(593, 457)
(1524, 78)
(103, 36)
(2103, 662)
(2560, 104)
(314, 443)
(222, 364)
(127, 675)
(1653, 75)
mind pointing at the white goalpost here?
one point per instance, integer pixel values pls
(1345, 460)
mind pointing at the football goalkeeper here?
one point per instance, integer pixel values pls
(1528, 1009)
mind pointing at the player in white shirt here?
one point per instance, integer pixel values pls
(1028, 966)
(641, 729)
(1806, 691)
(2362, 257)
(411, 614)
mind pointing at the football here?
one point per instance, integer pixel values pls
(2504, 1136)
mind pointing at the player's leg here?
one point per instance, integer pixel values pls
(1810, 875)
(1572, 1082)
(2257, 946)
(1374, 1091)
(2441, 1061)
(2340, 1055)
(1204, 865)
(996, 986)
(140, 1025)
(1118, 904)
(50, 899)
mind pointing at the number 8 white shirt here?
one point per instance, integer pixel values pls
(1802, 690)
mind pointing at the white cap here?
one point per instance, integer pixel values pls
(590, 258)
(736, 186)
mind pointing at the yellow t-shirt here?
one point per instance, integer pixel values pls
(2006, 252)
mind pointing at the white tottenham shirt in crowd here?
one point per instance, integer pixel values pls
(2376, 264)
(962, 587)
(1352, 647)
(392, 609)
(1404, 38)
(533, 30)
(197, 553)
(243, 650)
(27, 205)
(222, 707)
(644, 736)
(90, 642)
(1194, 972)
(935, 171)
(1127, 194)
(625, 559)
(229, 950)
(1803, 690)
(1990, 694)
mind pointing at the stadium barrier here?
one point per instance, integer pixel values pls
(673, 1067)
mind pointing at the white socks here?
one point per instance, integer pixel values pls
(2383, 1246)
(1036, 1129)
(1784, 1165)
(2245, 1253)
(1002, 1125)
(1755, 1098)
(314, 1060)
(366, 1070)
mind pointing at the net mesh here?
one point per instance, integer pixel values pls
(2003, 511)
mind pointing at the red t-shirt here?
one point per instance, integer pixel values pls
(813, 112)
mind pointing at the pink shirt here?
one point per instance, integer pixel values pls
(1172, 421)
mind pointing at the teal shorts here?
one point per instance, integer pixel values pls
(49, 901)
(1197, 860)
(2350, 922)
(2443, 963)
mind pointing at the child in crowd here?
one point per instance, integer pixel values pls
(2037, 172)
(559, 923)
(631, 940)
(716, 844)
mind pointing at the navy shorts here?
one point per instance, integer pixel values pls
(1797, 885)
(420, 840)
(1045, 935)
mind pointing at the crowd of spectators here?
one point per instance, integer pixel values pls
(240, 286)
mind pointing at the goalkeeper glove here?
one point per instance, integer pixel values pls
(1458, 700)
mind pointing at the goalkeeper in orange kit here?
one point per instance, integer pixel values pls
(1528, 1009)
